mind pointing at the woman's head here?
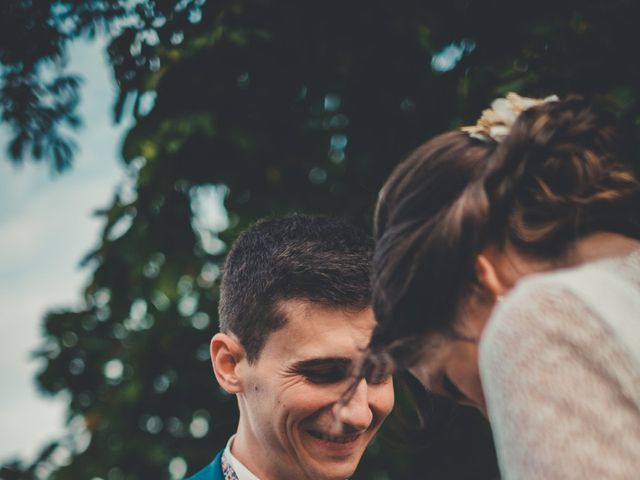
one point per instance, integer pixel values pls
(429, 220)
(557, 176)
(427, 212)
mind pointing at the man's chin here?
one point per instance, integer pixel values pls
(326, 471)
(333, 458)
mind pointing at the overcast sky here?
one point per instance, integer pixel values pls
(46, 227)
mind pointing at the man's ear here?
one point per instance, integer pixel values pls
(488, 276)
(226, 355)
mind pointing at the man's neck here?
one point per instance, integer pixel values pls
(248, 451)
(239, 470)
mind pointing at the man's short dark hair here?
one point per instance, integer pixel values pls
(322, 260)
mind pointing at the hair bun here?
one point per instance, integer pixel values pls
(559, 174)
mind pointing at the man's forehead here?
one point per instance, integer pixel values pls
(307, 310)
(307, 317)
(316, 331)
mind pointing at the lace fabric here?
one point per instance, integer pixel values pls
(562, 389)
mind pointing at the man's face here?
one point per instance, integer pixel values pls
(289, 396)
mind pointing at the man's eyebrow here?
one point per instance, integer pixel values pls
(322, 362)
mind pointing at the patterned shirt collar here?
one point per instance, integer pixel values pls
(232, 468)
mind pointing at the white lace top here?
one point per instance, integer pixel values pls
(560, 368)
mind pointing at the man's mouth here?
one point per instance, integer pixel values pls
(333, 438)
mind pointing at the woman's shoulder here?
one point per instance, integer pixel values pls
(540, 307)
(552, 370)
(619, 270)
(534, 304)
(596, 286)
(576, 309)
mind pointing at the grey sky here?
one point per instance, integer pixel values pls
(46, 227)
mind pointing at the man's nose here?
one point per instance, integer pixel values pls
(356, 413)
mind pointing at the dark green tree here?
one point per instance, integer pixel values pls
(272, 107)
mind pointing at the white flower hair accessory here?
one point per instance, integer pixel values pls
(496, 122)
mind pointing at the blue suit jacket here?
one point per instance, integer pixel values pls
(213, 471)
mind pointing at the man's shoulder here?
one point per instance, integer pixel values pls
(213, 471)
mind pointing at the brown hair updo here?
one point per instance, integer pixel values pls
(560, 174)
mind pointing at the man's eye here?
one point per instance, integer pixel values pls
(326, 375)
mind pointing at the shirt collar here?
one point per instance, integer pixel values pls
(241, 471)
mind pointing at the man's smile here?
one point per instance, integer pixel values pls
(334, 438)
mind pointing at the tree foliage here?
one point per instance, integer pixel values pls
(272, 107)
